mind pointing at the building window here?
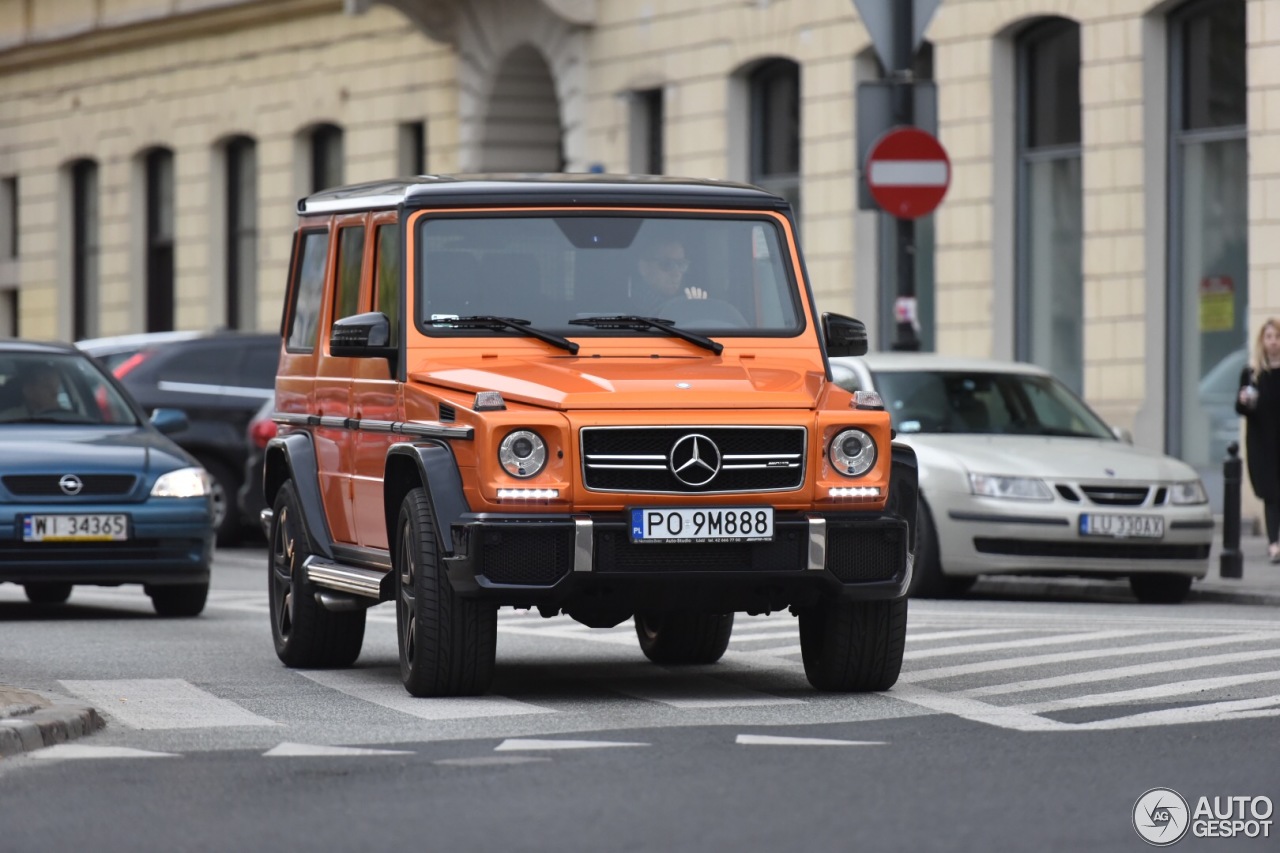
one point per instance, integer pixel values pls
(9, 204)
(84, 248)
(159, 246)
(775, 129)
(242, 232)
(1208, 228)
(1050, 240)
(412, 148)
(326, 157)
(9, 312)
(647, 125)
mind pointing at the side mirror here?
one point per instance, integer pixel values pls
(169, 421)
(844, 335)
(362, 336)
(1122, 434)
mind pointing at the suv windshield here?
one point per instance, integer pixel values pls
(989, 403)
(51, 388)
(722, 275)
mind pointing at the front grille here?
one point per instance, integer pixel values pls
(1116, 495)
(46, 485)
(855, 555)
(525, 556)
(639, 459)
(1093, 550)
(615, 552)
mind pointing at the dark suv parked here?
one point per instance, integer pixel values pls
(220, 380)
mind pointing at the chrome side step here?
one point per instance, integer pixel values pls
(349, 579)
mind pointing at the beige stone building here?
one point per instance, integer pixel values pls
(1114, 209)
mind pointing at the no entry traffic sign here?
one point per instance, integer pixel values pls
(908, 172)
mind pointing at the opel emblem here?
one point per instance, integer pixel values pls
(695, 460)
(70, 484)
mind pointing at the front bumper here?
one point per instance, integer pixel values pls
(553, 560)
(989, 536)
(170, 542)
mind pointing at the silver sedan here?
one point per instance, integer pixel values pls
(1019, 476)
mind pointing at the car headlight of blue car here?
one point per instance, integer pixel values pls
(182, 483)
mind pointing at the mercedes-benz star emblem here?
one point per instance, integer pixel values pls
(695, 460)
(70, 484)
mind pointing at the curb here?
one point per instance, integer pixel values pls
(61, 721)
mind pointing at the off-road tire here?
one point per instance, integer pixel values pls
(47, 592)
(1160, 587)
(853, 646)
(447, 643)
(184, 600)
(683, 637)
(305, 633)
(927, 579)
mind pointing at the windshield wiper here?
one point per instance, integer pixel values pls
(633, 321)
(488, 321)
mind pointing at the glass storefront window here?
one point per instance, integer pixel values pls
(1209, 263)
(1050, 283)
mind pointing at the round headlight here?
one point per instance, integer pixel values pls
(852, 453)
(522, 453)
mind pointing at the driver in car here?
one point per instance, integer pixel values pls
(40, 384)
(660, 277)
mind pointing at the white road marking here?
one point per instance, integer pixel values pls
(163, 703)
(776, 740)
(377, 687)
(1119, 672)
(306, 750)
(511, 744)
(691, 692)
(564, 632)
(77, 751)
(971, 709)
(1026, 643)
(957, 635)
(1239, 709)
(1087, 654)
(1147, 694)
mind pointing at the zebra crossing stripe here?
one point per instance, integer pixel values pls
(778, 740)
(306, 750)
(162, 703)
(1239, 709)
(1026, 643)
(381, 687)
(1087, 654)
(1146, 694)
(1119, 672)
(68, 751)
(513, 744)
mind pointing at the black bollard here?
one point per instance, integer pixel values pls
(1231, 562)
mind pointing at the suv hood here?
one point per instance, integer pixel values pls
(636, 382)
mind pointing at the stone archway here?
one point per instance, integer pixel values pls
(504, 47)
(520, 128)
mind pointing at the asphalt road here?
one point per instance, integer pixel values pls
(1019, 724)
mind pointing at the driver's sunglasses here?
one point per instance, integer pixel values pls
(670, 264)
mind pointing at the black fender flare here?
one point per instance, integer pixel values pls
(293, 457)
(430, 464)
(904, 489)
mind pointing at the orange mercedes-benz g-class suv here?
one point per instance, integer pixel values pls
(602, 396)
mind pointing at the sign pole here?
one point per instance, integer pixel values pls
(905, 306)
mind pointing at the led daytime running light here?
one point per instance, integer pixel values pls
(528, 494)
(855, 492)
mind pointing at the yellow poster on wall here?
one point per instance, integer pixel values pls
(1217, 303)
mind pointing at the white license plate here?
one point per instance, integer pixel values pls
(95, 527)
(710, 524)
(1119, 526)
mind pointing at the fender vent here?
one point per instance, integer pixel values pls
(448, 414)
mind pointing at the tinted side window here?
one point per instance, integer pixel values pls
(198, 364)
(350, 256)
(258, 365)
(387, 299)
(307, 290)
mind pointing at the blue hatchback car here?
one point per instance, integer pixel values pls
(91, 491)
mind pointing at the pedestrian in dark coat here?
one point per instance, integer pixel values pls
(1258, 400)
